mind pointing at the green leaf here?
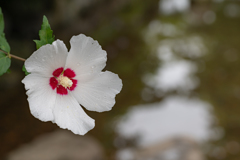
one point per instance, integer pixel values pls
(1, 21)
(3, 42)
(5, 63)
(8, 71)
(25, 71)
(45, 34)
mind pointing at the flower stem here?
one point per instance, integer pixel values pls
(13, 56)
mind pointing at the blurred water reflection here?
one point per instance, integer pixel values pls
(174, 116)
(172, 6)
(176, 75)
(178, 114)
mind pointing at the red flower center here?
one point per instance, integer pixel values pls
(63, 80)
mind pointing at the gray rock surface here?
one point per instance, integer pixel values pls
(179, 148)
(59, 145)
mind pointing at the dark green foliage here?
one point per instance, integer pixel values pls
(5, 61)
(45, 34)
(25, 71)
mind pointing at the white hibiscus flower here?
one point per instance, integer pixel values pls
(60, 80)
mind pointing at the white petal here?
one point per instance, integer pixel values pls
(41, 97)
(70, 115)
(47, 58)
(99, 93)
(85, 57)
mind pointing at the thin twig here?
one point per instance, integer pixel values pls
(13, 56)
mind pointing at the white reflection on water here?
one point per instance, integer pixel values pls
(175, 76)
(174, 116)
(172, 6)
(178, 114)
(175, 72)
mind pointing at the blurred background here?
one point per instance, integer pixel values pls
(179, 61)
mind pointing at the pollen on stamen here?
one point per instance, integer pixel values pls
(65, 81)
